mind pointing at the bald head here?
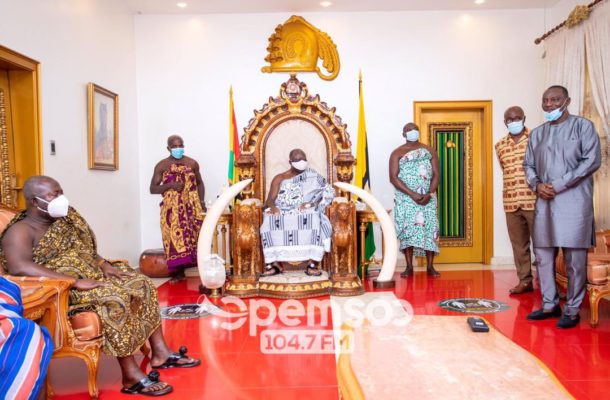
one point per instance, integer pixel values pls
(43, 187)
(409, 127)
(512, 114)
(175, 141)
(297, 155)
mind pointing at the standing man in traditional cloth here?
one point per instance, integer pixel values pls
(414, 172)
(178, 179)
(295, 227)
(519, 199)
(25, 348)
(51, 239)
(562, 155)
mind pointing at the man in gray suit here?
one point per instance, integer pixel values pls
(561, 157)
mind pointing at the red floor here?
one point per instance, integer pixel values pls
(234, 367)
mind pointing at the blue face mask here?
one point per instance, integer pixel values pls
(412, 135)
(515, 128)
(177, 152)
(555, 114)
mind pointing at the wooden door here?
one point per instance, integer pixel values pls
(460, 133)
(20, 141)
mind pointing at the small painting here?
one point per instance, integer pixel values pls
(103, 128)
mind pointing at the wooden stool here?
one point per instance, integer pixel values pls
(153, 264)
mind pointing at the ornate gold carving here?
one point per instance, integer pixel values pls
(466, 241)
(295, 47)
(247, 243)
(343, 218)
(578, 14)
(294, 102)
(7, 198)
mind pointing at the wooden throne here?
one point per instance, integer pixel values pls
(294, 119)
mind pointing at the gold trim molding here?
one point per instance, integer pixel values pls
(6, 183)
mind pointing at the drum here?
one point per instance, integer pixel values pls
(152, 263)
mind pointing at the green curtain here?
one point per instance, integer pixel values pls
(451, 184)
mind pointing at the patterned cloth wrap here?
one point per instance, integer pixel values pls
(181, 218)
(25, 348)
(299, 235)
(127, 307)
(416, 225)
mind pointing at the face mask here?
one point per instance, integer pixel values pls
(515, 128)
(177, 152)
(555, 114)
(300, 165)
(412, 136)
(56, 208)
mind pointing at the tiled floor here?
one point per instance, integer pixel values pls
(234, 367)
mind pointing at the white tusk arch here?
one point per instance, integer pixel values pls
(387, 227)
(208, 228)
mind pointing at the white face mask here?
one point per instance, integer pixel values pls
(300, 165)
(412, 135)
(56, 208)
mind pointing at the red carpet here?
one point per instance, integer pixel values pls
(234, 367)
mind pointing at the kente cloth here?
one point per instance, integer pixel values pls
(181, 218)
(565, 155)
(127, 307)
(25, 348)
(298, 235)
(515, 191)
(416, 225)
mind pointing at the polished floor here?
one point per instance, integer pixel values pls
(234, 367)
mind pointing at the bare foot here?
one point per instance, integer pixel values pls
(432, 272)
(407, 272)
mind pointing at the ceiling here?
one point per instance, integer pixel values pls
(271, 6)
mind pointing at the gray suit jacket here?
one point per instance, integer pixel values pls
(565, 155)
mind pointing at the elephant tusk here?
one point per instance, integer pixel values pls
(387, 227)
(208, 228)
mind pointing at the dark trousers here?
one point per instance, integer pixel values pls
(520, 225)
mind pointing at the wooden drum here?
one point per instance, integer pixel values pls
(153, 264)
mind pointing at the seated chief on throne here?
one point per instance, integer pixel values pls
(295, 227)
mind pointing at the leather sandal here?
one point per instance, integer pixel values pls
(312, 270)
(272, 270)
(174, 358)
(151, 379)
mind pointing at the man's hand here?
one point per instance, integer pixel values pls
(111, 272)
(88, 284)
(273, 210)
(545, 191)
(177, 186)
(425, 199)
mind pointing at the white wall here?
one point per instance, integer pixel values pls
(185, 65)
(78, 41)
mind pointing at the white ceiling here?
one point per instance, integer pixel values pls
(295, 6)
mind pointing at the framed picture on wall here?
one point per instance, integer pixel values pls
(103, 128)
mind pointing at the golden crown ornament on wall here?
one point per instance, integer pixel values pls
(296, 45)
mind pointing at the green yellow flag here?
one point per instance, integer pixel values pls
(233, 142)
(362, 178)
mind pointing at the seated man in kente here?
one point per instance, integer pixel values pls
(295, 227)
(51, 239)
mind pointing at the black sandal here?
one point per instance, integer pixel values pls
(172, 360)
(271, 271)
(150, 380)
(312, 270)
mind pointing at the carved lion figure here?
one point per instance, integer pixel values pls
(247, 246)
(342, 239)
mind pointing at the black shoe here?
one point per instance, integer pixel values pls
(539, 315)
(567, 322)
